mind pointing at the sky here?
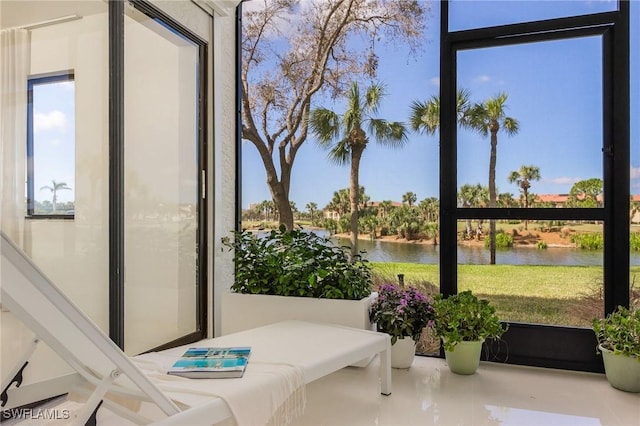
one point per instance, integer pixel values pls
(551, 93)
(54, 138)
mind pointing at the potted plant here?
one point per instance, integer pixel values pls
(464, 322)
(294, 274)
(618, 336)
(403, 314)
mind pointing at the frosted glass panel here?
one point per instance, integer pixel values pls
(161, 183)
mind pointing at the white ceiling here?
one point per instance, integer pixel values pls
(16, 13)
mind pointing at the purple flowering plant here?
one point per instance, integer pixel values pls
(401, 312)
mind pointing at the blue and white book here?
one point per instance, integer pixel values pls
(211, 363)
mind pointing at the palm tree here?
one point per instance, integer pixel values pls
(430, 208)
(54, 188)
(505, 199)
(409, 198)
(488, 118)
(472, 196)
(425, 116)
(523, 178)
(386, 206)
(345, 137)
(311, 208)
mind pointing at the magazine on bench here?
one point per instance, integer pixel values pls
(212, 363)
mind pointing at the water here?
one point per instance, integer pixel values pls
(383, 251)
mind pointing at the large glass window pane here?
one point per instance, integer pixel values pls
(399, 210)
(540, 104)
(533, 139)
(161, 183)
(469, 14)
(51, 145)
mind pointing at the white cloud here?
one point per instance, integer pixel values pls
(482, 79)
(635, 172)
(48, 121)
(434, 81)
(563, 180)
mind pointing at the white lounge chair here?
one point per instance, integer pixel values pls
(313, 350)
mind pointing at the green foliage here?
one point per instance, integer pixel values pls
(620, 331)
(297, 263)
(401, 312)
(588, 241)
(463, 317)
(503, 240)
(634, 241)
(542, 245)
(585, 193)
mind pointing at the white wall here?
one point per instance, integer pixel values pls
(75, 253)
(223, 155)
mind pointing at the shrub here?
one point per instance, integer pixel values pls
(503, 240)
(297, 263)
(588, 241)
(634, 241)
(620, 331)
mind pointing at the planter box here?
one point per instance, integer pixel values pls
(243, 311)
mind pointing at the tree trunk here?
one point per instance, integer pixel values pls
(356, 155)
(526, 206)
(281, 201)
(492, 190)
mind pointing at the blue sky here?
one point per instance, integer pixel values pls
(54, 136)
(551, 93)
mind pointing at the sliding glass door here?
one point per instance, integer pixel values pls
(162, 181)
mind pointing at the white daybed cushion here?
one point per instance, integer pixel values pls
(284, 357)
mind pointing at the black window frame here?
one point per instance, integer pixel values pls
(32, 81)
(532, 344)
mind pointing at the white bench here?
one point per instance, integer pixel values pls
(315, 349)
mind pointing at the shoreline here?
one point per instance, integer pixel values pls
(520, 240)
(527, 243)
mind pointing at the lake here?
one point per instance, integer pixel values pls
(382, 251)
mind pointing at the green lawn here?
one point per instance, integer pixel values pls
(561, 295)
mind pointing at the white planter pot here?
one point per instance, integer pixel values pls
(403, 352)
(244, 311)
(622, 371)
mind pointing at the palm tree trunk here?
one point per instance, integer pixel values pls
(492, 190)
(526, 206)
(356, 155)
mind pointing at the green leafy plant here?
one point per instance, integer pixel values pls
(401, 312)
(296, 263)
(588, 241)
(503, 240)
(463, 317)
(619, 331)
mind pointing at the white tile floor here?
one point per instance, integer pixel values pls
(429, 394)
